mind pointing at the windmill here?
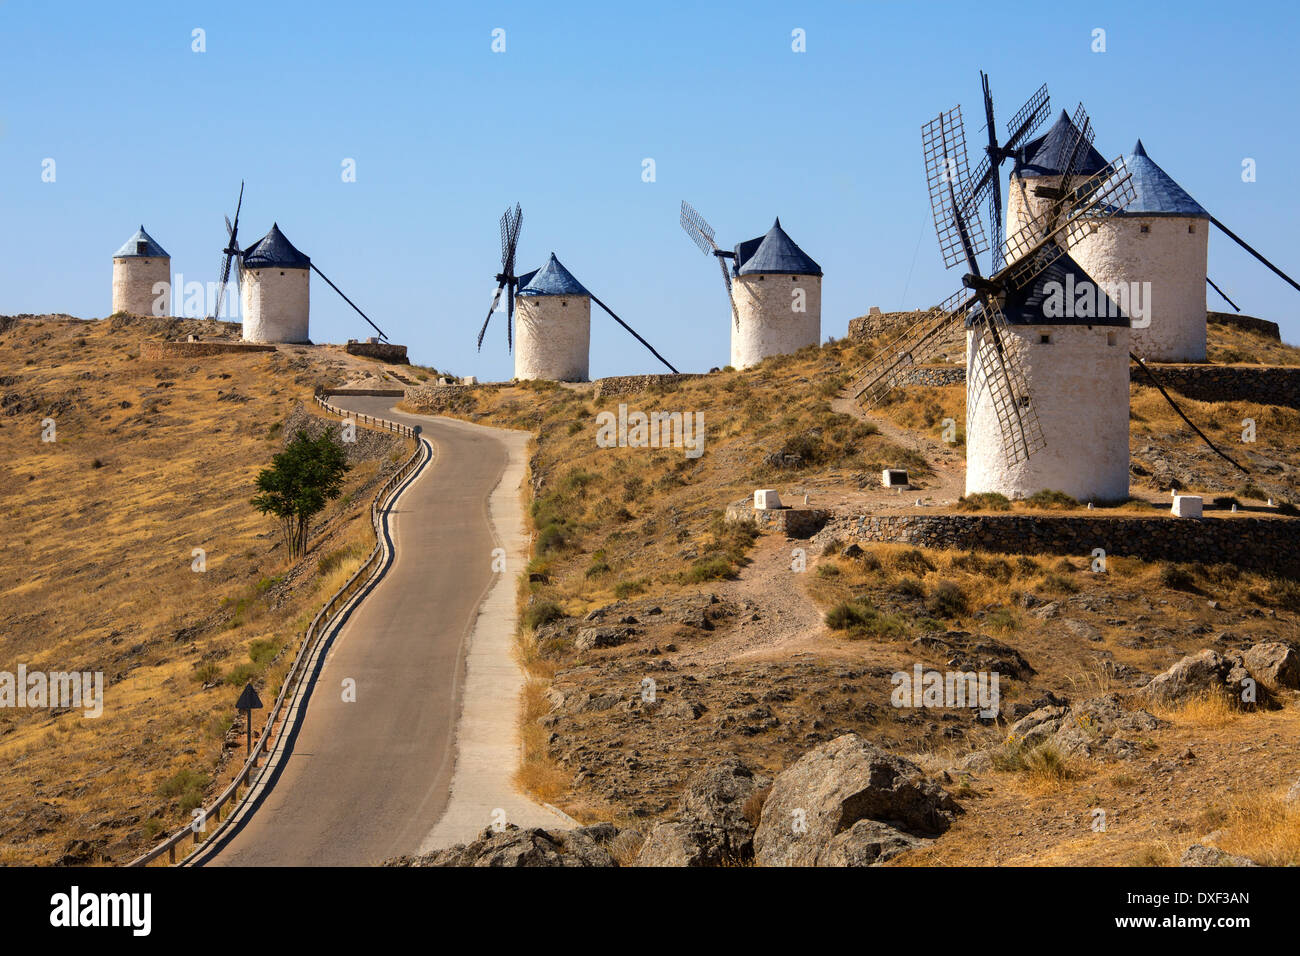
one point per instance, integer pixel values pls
(1072, 209)
(511, 221)
(231, 253)
(546, 352)
(702, 235)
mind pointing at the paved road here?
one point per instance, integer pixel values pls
(366, 781)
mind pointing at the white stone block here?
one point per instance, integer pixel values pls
(766, 499)
(469, 380)
(1187, 506)
(894, 477)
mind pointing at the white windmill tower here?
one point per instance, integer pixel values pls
(139, 267)
(553, 322)
(1047, 388)
(776, 295)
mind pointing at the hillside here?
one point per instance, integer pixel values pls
(152, 460)
(637, 578)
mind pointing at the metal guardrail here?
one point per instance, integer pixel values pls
(250, 774)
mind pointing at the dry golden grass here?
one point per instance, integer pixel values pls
(1206, 711)
(1227, 344)
(1265, 828)
(97, 572)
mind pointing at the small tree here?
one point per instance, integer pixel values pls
(308, 473)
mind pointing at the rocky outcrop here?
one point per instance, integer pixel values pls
(1100, 726)
(810, 815)
(711, 827)
(1205, 672)
(1198, 854)
(514, 846)
(1274, 663)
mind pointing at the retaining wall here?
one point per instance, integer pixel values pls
(164, 350)
(1260, 544)
(384, 351)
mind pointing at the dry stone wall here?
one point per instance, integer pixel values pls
(1260, 544)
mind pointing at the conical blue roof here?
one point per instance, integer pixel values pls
(1048, 154)
(1157, 193)
(1063, 279)
(274, 250)
(775, 252)
(552, 279)
(132, 249)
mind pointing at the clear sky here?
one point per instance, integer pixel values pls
(445, 134)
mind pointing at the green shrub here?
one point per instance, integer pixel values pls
(598, 565)
(543, 612)
(909, 587)
(1051, 501)
(984, 501)
(1177, 578)
(187, 786)
(912, 562)
(861, 621)
(947, 600)
(828, 570)
(625, 589)
(261, 651)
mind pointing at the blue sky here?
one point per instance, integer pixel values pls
(445, 134)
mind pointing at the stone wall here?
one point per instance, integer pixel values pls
(162, 350)
(1264, 384)
(632, 384)
(1261, 544)
(792, 522)
(384, 351)
(936, 376)
(1247, 322)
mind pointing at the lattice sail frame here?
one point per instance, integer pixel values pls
(702, 235)
(947, 171)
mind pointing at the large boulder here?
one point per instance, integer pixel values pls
(1198, 854)
(830, 788)
(513, 846)
(1101, 725)
(867, 843)
(711, 828)
(1205, 672)
(1274, 663)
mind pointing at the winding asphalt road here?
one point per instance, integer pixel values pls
(366, 781)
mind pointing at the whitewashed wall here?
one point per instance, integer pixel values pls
(1169, 257)
(552, 337)
(768, 323)
(133, 281)
(1079, 386)
(275, 304)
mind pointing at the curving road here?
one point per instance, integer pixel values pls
(368, 780)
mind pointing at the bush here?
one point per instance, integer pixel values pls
(543, 612)
(241, 674)
(625, 589)
(1051, 500)
(551, 538)
(912, 562)
(828, 570)
(861, 620)
(832, 547)
(715, 568)
(909, 587)
(1177, 578)
(187, 786)
(262, 651)
(1056, 583)
(984, 501)
(947, 600)
(598, 565)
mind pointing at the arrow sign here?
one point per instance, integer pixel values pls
(248, 702)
